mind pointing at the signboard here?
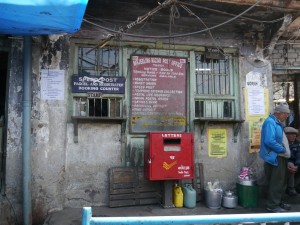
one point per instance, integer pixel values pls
(158, 93)
(217, 146)
(214, 53)
(84, 84)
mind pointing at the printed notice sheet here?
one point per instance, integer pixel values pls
(217, 146)
(256, 101)
(52, 84)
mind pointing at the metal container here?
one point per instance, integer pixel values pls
(213, 198)
(247, 182)
(247, 195)
(230, 200)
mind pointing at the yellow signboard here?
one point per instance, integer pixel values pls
(217, 143)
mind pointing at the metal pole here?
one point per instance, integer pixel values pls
(86, 215)
(26, 131)
(190, 219)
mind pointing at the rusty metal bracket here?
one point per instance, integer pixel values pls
(236, 130)
(203, 127)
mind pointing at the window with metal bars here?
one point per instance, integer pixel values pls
(214, 88)
(98, 61)
(98, 107)
(212, 75)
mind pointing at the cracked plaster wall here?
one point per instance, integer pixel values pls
(64, 173)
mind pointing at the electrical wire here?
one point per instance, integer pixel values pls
(139, 20)
(210, 34)
(229, 14)
(176, 35)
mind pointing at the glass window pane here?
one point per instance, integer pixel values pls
(98, 61)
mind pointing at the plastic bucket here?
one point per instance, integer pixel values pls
(213, 198)
(189, 196)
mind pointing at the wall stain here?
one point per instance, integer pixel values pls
(55, 51)
(92, 193)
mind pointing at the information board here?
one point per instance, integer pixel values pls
(101, 84)
(158, 93)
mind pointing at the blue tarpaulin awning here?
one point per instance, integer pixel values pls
(36, 17)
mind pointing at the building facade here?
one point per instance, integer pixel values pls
(78, 133)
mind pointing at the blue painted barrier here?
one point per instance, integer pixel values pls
(87, 219)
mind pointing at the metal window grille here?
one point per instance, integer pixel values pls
(98, 107)
(214, 88)
(212, 75)
(98, 61)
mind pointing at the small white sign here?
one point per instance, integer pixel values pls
(256, 79)
(52, 84)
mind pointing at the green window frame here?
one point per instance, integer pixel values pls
(110, 107)
(216, 95)
(91, 61)
(98, 61)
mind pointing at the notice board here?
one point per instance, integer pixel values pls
(158, 93)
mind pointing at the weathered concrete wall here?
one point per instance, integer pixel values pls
(87, 163)
(265, 69)
(13, 170)
(64, 173)
(48, 129)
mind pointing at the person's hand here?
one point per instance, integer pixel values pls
(292, 168)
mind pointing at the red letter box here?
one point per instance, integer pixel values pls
(169, 156)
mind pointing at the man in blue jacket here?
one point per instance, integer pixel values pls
(272, 150)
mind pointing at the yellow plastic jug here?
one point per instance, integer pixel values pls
(177, 196)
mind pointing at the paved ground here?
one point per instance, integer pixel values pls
(72, 216)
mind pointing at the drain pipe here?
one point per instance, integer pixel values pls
(26, 131)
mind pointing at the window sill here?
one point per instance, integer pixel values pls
(203, 122)
(84, 119)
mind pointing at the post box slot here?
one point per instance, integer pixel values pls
(173, 141)
(172, 145)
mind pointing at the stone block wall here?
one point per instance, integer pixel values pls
(286, 54)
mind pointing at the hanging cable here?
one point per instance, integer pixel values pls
(209, 32)
(177, 35)
(229, 14)
(174, 14)
(139, 20)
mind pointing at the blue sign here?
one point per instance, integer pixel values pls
(84, 84)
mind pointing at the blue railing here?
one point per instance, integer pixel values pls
(87, 219)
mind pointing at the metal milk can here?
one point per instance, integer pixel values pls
(230, 200)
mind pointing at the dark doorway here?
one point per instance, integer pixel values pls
(285, 89)
(3, 97)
